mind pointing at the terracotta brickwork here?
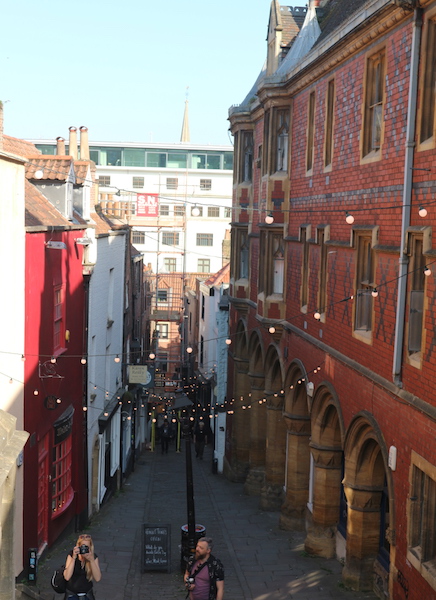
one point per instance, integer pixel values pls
(340, 343)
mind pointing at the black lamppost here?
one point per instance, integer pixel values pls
(191, 541)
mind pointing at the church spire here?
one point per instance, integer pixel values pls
(185, 125)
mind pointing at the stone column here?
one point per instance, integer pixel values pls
(271, 497)
(363, 533)
(257, 450)
(294, 507)
(327, 473)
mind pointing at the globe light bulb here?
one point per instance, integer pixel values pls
(422, 212)
(272, 329)
(269, 219)
(349, 218)
(317, 315)
(374, 293)
(427, 271)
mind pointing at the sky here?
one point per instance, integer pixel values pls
(124, 69)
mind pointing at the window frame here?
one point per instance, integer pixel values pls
(280, 142)
(170, 264)
(207, 238)
(330, 102)
(172, 183)
(211, 210)
(310, 132)
(205, 262)
(58, 318)
(421, 518)
(364, 284)
(374, 102)
(170, 238)
(61, 489)
(206, 184)
(138, 182)
(416, 297)
(138, 234)
(427, 116)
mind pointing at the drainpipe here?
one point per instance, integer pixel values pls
(407, 198)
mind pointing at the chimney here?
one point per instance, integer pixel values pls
(84, 143)
(1, 126)
(73, 142)
(60, 146)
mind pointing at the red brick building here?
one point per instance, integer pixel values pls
(332, 288)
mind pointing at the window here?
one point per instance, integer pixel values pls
(205, 184)
(240, 253)
(281, 140)
(198, 161)
(138, 182)
(58, 325)
(172, 183)
(264, 152)
(278, 257)
(322, 289)
(164, 210)
(246, 156)
(428, 86)
(364, 283)
(170, 238)
(310, 132)
(203, 265)
(104, 181)
(134, 157)
(228, 161)
(170, 265)
(373, 113)
(179, 210)
(213, 211)
(304, 268)
(330, 110)
(138, 237)
(61, 475)
(416, 298)
(422, 517)
(271, 264)
(162, 296)
(177, 161)
(156, 159)
(204, 239)
(227, 213)
(197, 210)
(162, 330)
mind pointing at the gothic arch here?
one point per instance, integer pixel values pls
(297, 420)
(326, 447)
(236, 461)
(366, 478)
(275, 456)
(257, 416)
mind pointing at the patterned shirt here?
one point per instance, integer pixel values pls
(216, 573)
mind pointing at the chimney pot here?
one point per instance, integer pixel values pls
(60, 146)
(73, 142)
(84, 143)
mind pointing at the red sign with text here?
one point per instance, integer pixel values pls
(147, 205)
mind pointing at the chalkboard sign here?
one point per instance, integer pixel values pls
(156, 547)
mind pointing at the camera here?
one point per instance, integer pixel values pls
(83, 549)
(189, 581)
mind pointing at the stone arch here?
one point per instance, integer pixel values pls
(366, 471)
(326, 446)
(256, 417)
(297, 421)
(236, 462)
(271, 497)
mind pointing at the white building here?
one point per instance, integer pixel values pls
(177, 198)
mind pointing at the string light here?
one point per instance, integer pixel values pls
(422, 212)
(269, 219)
(427, 271)
(349, 218)
(117, 359)
(374, 293)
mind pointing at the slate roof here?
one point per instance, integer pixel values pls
(334, 14)
(292, 21)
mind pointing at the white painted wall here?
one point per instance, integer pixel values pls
(12, 278)
(106, 302)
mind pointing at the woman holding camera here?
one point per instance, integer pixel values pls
(81, 569)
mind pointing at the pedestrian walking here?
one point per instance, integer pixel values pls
(81, 569)
(200, 439)
(204, 575)
(165, 436)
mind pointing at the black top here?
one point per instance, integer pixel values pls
(78, 583)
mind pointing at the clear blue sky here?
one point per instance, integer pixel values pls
(122, 68)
